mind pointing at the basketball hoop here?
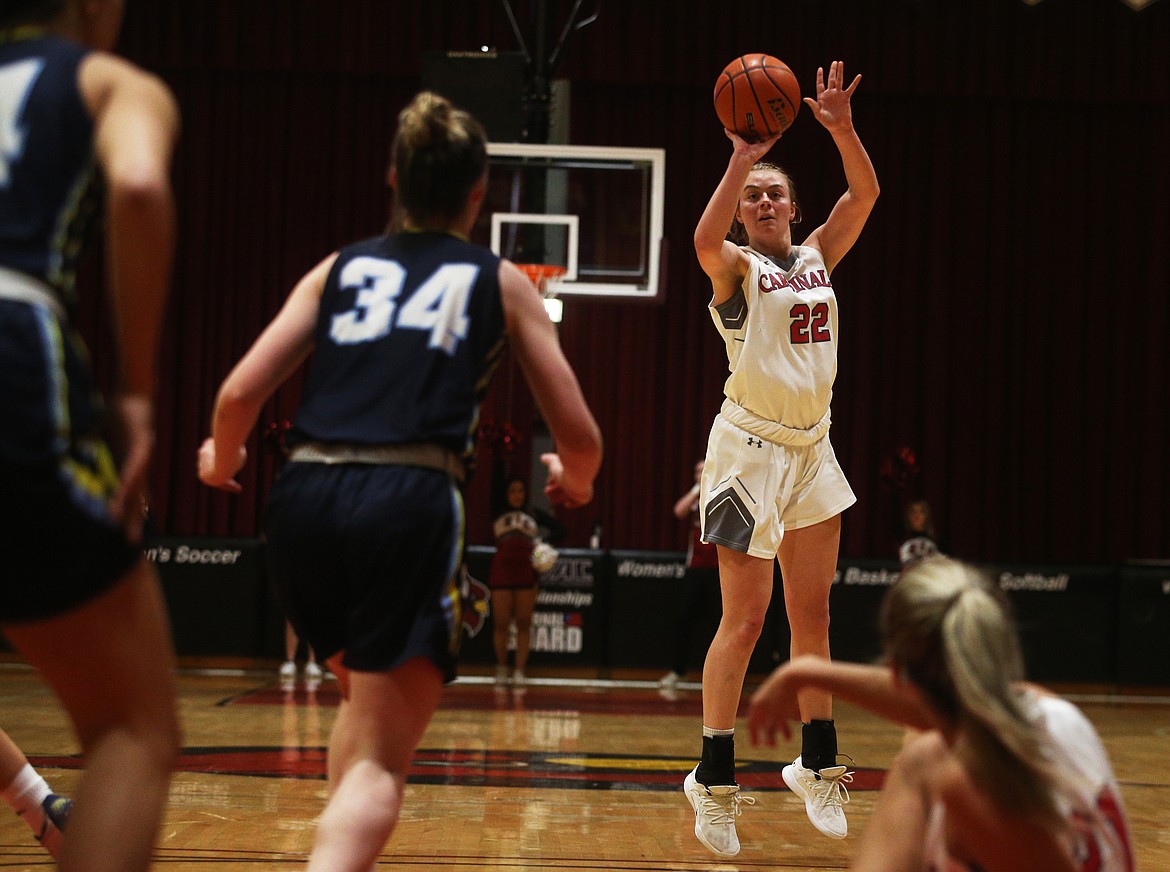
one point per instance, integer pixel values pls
(543, 275)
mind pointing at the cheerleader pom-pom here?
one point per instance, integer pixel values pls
(544, 557)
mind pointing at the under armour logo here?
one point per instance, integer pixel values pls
(752, 440)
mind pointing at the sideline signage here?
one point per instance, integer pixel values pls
(644, 620)
(568, 624)
(1067, 618)
(216, 594)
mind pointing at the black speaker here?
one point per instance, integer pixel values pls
(1144, 630)
(490, 85)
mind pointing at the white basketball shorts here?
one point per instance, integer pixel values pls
(753, 490)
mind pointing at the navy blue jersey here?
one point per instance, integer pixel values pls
(48, 177)
(410, 329)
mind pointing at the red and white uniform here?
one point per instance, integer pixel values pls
(769, 464)
(515, 533)
(782, 352)
(1092, 800)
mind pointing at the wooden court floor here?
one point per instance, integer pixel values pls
(570, 774)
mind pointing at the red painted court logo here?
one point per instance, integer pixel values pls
(487, 768)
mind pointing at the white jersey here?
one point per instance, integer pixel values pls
(780, 329)
(1096, 809)
(1091, 799)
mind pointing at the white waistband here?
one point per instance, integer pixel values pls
(424, 454)
(24, 288)
(772, 431)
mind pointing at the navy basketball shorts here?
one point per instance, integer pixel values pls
(364, 559)
(61, 547)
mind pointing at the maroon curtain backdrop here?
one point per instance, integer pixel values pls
(1004, 314)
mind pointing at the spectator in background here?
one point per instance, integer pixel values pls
(919, 539)
(288, 669)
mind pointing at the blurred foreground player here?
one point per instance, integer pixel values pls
(1002, 776)
(83, 133)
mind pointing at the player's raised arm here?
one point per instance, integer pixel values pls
(722, 260)
(832, 109)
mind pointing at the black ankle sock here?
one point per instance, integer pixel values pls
(717, 765)
(818, 745)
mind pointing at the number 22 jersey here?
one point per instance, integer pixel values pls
(780, 330)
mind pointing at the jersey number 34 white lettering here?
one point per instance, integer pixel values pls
(439, 304)
(16, 80)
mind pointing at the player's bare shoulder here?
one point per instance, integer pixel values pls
(104, 77)
(728, 273)
(520, 298)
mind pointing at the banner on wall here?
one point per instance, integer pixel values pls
(1067, 618)
(569, 621)
(854, 605)
(568, 624)
(645, 614)
(216, 594)
(622, 609)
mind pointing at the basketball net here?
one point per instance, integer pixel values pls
(544, 276)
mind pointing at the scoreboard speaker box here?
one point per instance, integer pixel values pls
(1143, 649)
(490, 85)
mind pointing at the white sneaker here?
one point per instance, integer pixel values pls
(824, 797)
(313, 671)
(288, 670)
(715, 811)
(501, 675)
(519, 679)
(669, 681)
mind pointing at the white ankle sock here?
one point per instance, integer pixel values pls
(25, 794)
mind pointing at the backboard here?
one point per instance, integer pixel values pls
(597, 211)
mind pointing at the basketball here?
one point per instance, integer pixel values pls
(757, 96)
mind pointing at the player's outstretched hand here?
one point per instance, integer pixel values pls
(561, 489)
(212, 471)
(774, 707)
(754, 150)
(831, 107)
(135, 417)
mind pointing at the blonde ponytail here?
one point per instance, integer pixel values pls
(949, 629)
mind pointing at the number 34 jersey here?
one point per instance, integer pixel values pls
(780, 329)
(49, 189)
(410, 329)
